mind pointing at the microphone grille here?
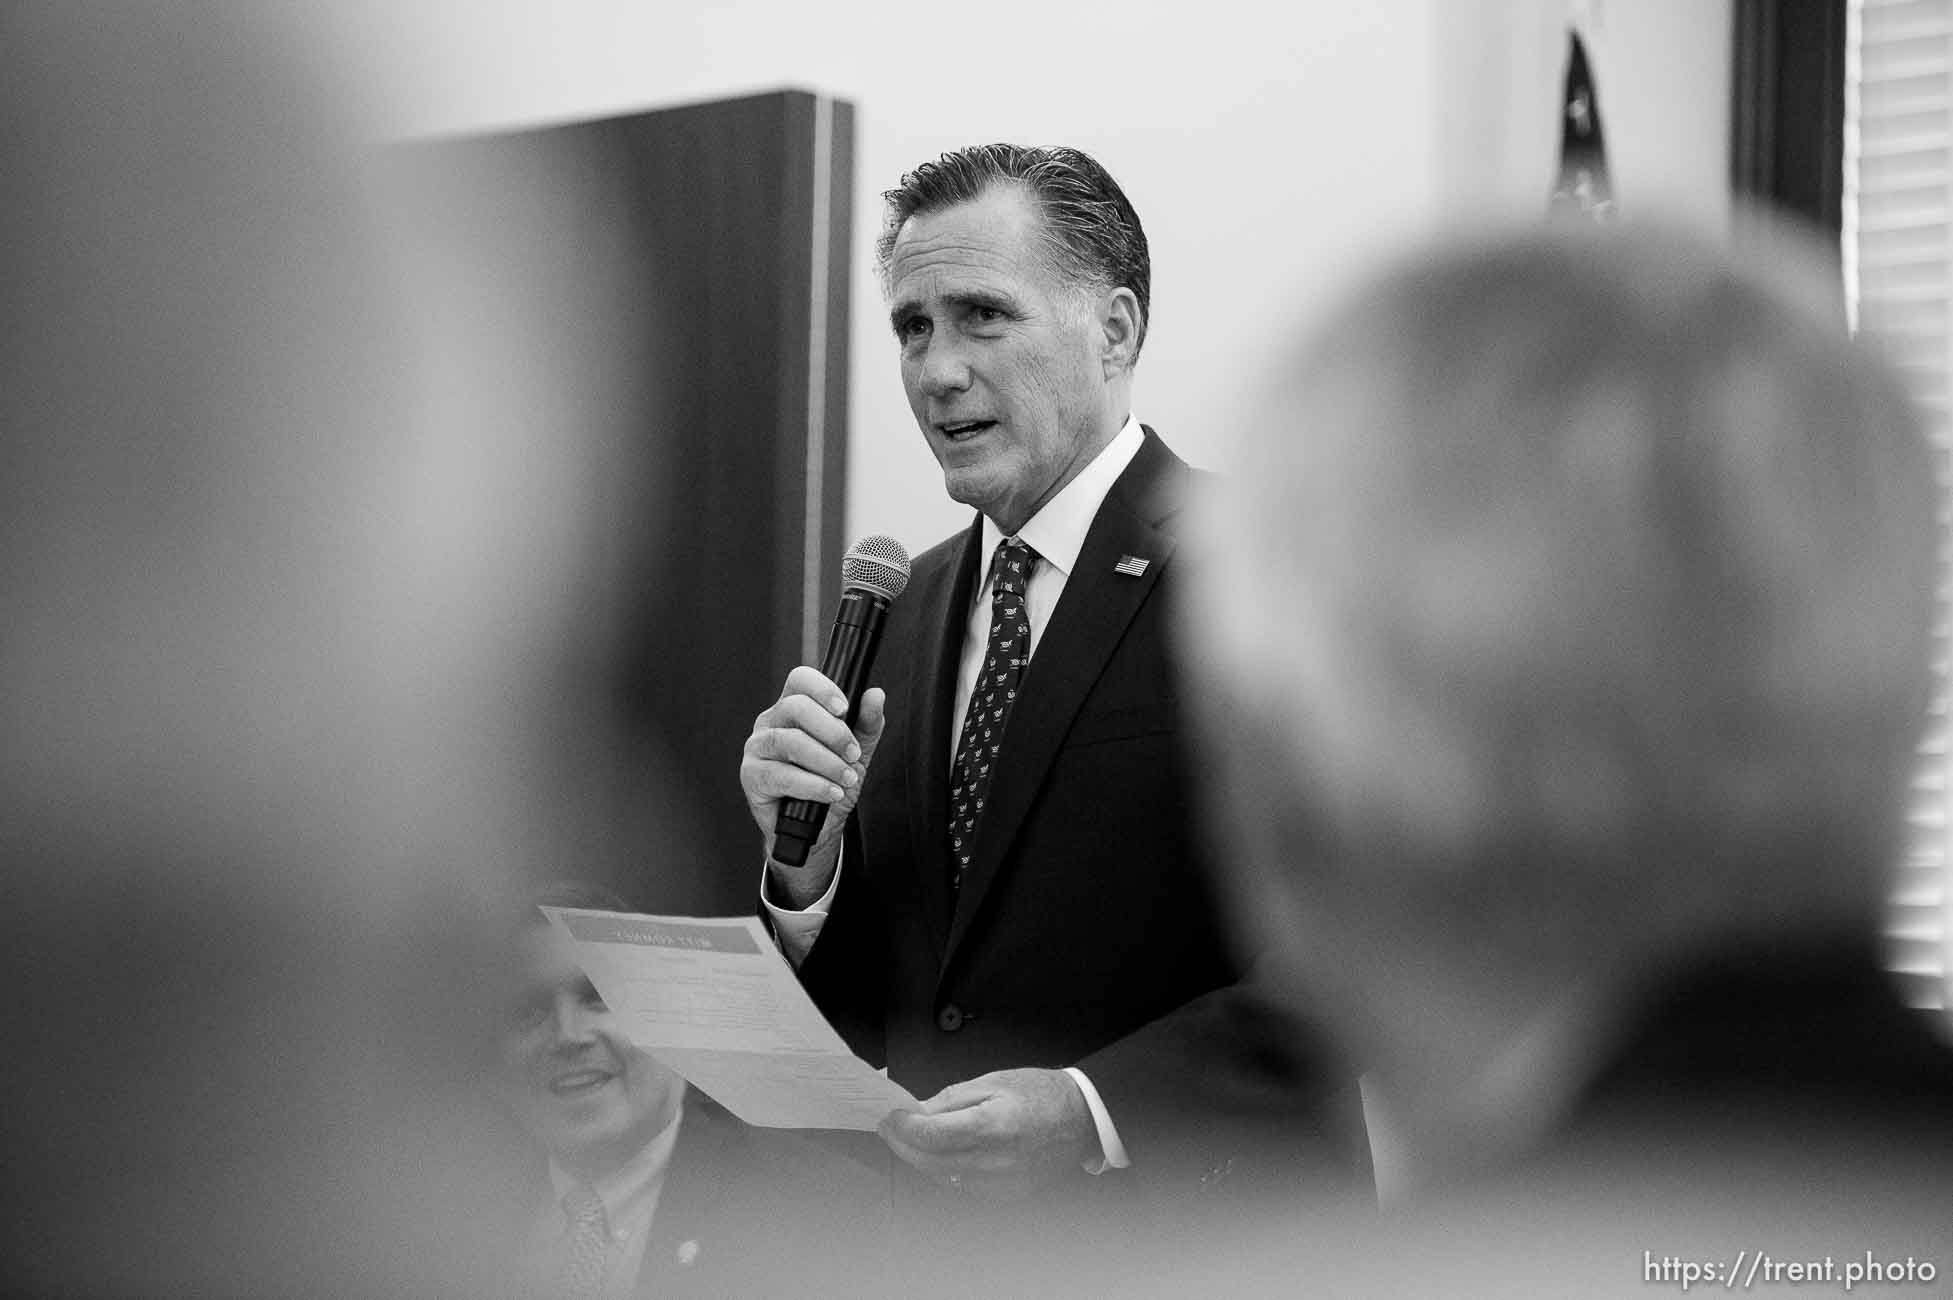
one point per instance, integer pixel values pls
(878, 564)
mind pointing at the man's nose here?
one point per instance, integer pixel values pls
(575, 1023)
(945, 369)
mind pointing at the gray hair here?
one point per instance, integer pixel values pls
(1092, 235)
(1597, 564)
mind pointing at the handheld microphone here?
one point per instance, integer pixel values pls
(873, 574)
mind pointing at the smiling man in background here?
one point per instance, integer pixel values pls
(654, 1189)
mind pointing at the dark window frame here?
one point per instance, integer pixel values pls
(1788, 110)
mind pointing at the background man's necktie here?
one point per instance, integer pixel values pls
(587, 1247)
(996, 687)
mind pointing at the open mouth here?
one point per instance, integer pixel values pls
(578, 1082)
(964, 429)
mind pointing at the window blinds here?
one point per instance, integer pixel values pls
(1898, 263)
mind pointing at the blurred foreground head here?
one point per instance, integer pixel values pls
(1570, 610)
(287, 515)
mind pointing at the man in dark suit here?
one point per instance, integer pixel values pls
(1007, 904)
(653, 1188)
(1574, 759)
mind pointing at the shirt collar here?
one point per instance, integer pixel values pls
(1057, 531)
(626, 1190)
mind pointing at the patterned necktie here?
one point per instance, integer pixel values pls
(586, 1249)
(996, 687)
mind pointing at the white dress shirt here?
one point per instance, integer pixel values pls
(630, 1196)
(1057, 533)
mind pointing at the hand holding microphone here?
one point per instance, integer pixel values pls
(804, 754)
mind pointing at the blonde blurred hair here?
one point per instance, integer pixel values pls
(1586, 575)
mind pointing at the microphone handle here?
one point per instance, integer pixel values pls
(851, 646)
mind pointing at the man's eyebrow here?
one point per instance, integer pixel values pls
(963, 298)
(984, 298)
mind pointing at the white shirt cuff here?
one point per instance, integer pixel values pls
(1112, 1150)
(795, 931)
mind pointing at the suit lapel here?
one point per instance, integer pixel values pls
(1085, 628)
(931, 701)
(689, 1224)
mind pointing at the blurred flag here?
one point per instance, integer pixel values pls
(1583, 189)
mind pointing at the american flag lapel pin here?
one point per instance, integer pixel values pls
(1131, 565)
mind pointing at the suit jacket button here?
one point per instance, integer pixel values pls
(950, 1018)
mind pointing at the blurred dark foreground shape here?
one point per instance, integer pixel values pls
(291, 541)
(1564, 639)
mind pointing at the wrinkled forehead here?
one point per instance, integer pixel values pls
(1001, 233)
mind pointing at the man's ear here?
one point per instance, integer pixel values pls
(1120, 320)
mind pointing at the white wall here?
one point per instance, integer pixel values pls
(1661, 73)
(1271, 150)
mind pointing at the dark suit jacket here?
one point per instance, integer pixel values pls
(751, 1212)
(1771, 1051)
(1087, 919)
(1767, 1105)
(1764, 1107)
